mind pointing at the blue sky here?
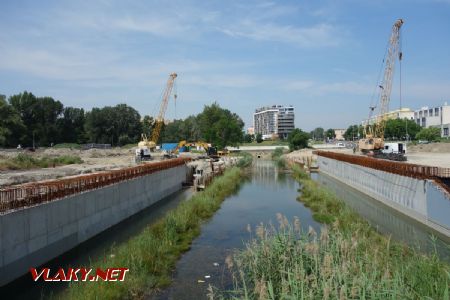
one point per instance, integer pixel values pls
(321, 56)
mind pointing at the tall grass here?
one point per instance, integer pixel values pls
(245, 160)
(24, 161)
(346, 260)
(277, 156)
(152, 254)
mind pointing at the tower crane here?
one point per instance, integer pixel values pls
(146, 145)
(374, 133)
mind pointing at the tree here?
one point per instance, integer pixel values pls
(259, 138)
(71, 125)
(220, 126)
(248, 138)
(429, 134)
(147, 125)
(11, 125)
(298, 139)
(318, 134)
(330, 134)
(398, 129)
(353, 132)
(106, 125)
(39, 115)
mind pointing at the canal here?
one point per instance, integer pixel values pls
(265, 192)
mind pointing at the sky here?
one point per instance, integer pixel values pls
(323, 57)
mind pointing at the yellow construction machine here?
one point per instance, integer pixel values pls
(146, 145)
(373, 141)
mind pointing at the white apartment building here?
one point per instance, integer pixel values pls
(276, 120)
(434, 117)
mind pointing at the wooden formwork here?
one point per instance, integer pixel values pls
(38, 192)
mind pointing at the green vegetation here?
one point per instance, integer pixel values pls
(395, 129)
(25, 161)
(152, 254)
(348, 259)
(318, 134)
(277, 157)
(259, 138)
(42, 121)
(330, 134)
(298, 139)
(246, 159)
(430, 134)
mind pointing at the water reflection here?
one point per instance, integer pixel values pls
(268, 192)
(385, 219)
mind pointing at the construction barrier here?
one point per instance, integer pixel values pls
(400, 168)
(34, 193)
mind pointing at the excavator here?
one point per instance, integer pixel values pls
(373, 142)
(146, 145)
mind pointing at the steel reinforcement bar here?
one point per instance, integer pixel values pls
(34, 193)
(400, 168)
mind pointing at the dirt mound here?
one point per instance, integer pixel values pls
(432, 147)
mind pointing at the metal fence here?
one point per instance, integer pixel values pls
(39, 192)
(400, 168)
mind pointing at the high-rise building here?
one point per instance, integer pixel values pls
(276, 120)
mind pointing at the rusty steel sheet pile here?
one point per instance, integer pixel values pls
(24, 195)
(400, 168)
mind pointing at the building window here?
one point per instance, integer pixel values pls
(436, 111)
(420, 114)
(418, 121)
(425, 113)
(424, 123)
(430, 112)
(445, 131)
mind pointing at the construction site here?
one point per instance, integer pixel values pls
(65, 214)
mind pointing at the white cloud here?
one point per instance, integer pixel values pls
(320, 35)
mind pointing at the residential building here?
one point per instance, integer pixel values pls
(434, 117)
(276, 120)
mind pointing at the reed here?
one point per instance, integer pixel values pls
(347, 259)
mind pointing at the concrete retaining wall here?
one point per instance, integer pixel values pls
(29, 237)
(420, 199)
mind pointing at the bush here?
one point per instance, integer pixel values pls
(429, 134)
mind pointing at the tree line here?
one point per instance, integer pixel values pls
(43, 121)
(395, 129)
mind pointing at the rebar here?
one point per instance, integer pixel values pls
(29, 194)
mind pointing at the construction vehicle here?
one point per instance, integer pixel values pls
(211, 151)
(373, 142)
(146, 145)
